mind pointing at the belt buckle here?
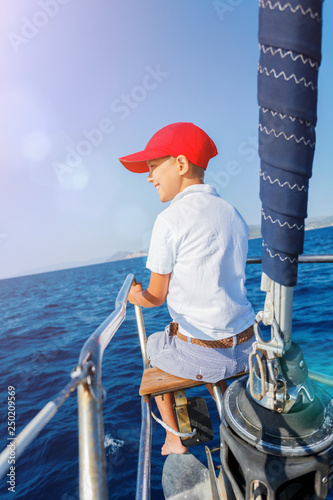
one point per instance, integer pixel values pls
(173, 329)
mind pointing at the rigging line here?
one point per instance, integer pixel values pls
(168, 428)
(260, 395)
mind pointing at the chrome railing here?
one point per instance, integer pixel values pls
(92, 461)
(302, 259)
(144, 462)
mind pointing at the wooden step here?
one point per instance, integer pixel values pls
(155, 381)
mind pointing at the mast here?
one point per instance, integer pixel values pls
(290, 55)
(278, 438)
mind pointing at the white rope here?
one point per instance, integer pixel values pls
(168, 428)
(260, 395)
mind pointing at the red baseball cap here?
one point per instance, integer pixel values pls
(173, 140)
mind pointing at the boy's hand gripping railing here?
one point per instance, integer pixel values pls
(87, 377)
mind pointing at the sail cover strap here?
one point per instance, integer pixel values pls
(290, 54)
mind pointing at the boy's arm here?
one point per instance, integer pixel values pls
(155, 294)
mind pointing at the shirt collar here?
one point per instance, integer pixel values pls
(196, 188)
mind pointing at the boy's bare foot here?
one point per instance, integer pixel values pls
(171, 446)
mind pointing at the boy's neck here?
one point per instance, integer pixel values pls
(190, 182)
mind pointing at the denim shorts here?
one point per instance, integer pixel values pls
(195, 362)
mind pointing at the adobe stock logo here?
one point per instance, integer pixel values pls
(247, 150)
(121, 107)
(224, 7)
(31, 27)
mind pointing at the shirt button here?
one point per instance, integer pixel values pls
(199, 377)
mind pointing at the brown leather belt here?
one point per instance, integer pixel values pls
(215, 344)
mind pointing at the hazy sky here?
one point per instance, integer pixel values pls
(86, 81)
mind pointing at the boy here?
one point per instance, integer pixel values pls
(197, 258)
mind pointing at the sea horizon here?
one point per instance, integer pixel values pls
(50, 269)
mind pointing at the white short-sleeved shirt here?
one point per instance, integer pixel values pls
(203, 241)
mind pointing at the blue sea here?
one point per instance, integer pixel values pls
(46, 318)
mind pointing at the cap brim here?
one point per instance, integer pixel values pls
(137, 162)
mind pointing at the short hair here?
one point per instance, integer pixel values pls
(196, 171)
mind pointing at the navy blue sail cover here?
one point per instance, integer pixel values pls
(290, 54)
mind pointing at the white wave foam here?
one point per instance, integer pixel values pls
(112, 443)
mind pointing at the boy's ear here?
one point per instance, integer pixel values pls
(183, 164)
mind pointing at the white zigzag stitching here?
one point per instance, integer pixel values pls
(268, 177)
(314, 15)
(268, 217)
(287, 78)
(292, 118)
(278, 255)
(293, 136)
(284, 54)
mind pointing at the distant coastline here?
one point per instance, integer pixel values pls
(255, 233)
(318, 222)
